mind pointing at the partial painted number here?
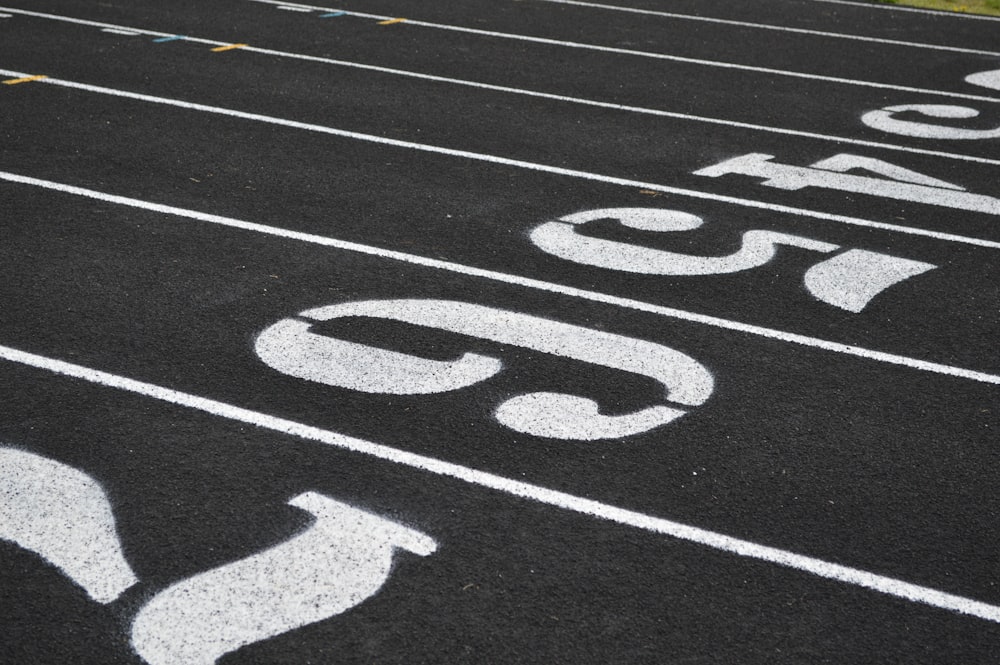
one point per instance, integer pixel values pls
(989, 79)
(896, 182)
(848, 280)
(291, 347)
(342, 559)
(888, 120)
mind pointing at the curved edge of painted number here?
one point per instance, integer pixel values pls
(885, 120)
(341, 560)
(289, 347)
(560, 239)
(850, 280)
(989, 79)
(64, 516)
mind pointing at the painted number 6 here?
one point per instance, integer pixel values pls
(290, 347)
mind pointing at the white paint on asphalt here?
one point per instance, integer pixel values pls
(342, 559)
(778, 28)
(291, 348)
(562, 98)
(551, 42)
(517, 280)
(737, 546)
(63, 515)
(576, 100)
(990, 79)
(532, 166)
(886, 121)
(652, 55)
(831, 174)
(560, 238)
(121, 31)
(852, 279)
(849, 281)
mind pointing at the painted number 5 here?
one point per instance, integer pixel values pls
(848, 280)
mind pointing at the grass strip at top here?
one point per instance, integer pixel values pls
(988, 7)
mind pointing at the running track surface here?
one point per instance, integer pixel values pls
(385, 331)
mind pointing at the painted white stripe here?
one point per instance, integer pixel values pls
(294, 9)
(607, 105)
(121, 31)
(933, 12)
(520, 489)
(552, 42)
(779, 28)
(517, 280)
(533, 166)
(654, 55)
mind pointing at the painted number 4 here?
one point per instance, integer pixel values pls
(847, 280)
(886, 180)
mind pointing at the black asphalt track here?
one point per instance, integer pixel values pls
(862, 439)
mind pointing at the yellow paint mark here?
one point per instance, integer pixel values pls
(228, 47)
(392, 21)
(25, 79)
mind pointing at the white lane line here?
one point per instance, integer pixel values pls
(779, 28)
(121, 31)
(654, 55)
(520, 489)
(553, 42)
(598, 104)
(516, 280)
(531, 166)
(932, 12)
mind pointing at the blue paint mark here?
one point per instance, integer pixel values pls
(168, 39)
(332, 14)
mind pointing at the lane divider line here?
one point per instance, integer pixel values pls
(332, 14)
(778, 28)
(540, 40)
(121, 31)
(659, 56)
(25, 79)
(228, 47)
(515, 280)
(516, 163)
(519, 489)
(290, 8)
(392, 21)
(590, 102)
(163, 40)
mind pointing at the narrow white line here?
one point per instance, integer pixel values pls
(516, 280)
(553, 42)
(294, 9)
(522, 490)
(779, 28)
(532, 166)
(605, 105)
(656, 56)
(121, 31)
(897, 8)
(5, 16)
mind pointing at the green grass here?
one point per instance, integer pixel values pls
(991, 7)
